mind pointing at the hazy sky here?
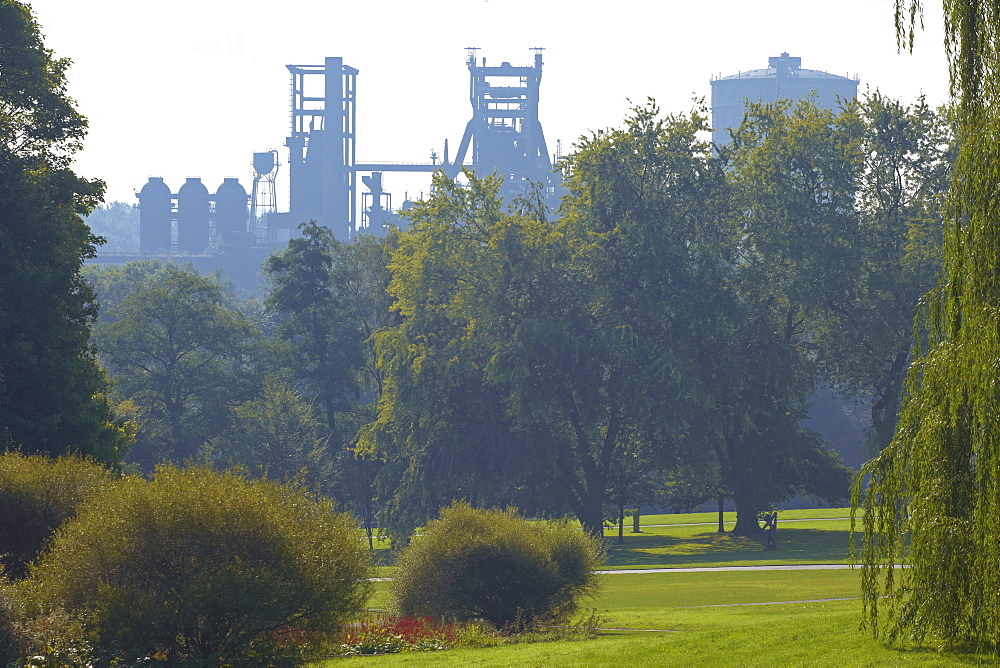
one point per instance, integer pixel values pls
(182, 88)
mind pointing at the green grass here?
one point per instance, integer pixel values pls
(711, 618)
(667, 624)
(730, 517)
(819, 634)
(812, 537)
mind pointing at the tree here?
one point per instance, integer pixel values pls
(182, 357)
(53, 394)
(277, 436)
(830, 220)
(863, 337)
(308, 289)
(932, 499)
(536, 350)
(118, 224)
(442, 428)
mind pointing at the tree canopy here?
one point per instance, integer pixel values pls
(180, 354)
(53, 394)
(536, 356)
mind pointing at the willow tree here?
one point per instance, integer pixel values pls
(933, 502)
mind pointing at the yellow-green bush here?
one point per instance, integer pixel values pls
(198, 566)
(37, 494)
(497, 566)
(11, 639)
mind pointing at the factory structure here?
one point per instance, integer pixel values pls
(503, 135)
(235, 229)
(784, 79)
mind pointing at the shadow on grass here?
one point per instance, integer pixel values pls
(802, 545)
(972, 655)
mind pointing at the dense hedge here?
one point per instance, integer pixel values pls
(197, 566)
(37, 494)
(497, 566)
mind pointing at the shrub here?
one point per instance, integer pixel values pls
(197, 566)
(495, 565)
(11, 640)
(37, 494)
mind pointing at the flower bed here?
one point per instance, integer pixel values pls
(390, 634)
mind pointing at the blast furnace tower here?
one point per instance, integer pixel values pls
(321, 156)
(504, 133)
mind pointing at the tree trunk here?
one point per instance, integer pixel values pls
(722, 502)
(746, 514)
(744, 496)
(621, 524)
(592, 517)
(635, 521)
(885, 409)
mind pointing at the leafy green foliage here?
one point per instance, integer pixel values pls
(447, 275)
(37, 495)
(934, 494)
(52, 391)
(836, 213)
(183, 357)
(495, 565)
(118, 224)
(277, 436)
(309, 291)
(543, 349)
(11, 638)
(863, 339)
(195, 565)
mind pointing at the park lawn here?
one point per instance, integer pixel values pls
(730, 517)
(684, 546)
(648, 600)
(689, 619)
(815, 536)
(819, 634)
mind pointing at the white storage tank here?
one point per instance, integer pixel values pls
(784, 78)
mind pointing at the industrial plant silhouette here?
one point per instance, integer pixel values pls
(234, 231)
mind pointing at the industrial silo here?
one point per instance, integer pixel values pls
(784, 78)
(192, 217)
(231, 212)
(154, 216)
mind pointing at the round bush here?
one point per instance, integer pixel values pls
(37, 494)
(197, 566)
(497, 566)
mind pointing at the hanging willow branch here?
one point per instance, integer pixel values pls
(933, 501)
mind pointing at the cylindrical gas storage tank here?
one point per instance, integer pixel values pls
(192, 217)
(231, 210)
(783, 79)
(154, 215)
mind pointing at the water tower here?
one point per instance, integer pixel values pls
(263, 197)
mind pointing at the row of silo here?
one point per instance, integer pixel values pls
(191, 211)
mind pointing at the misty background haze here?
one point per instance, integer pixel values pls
(185, 88)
